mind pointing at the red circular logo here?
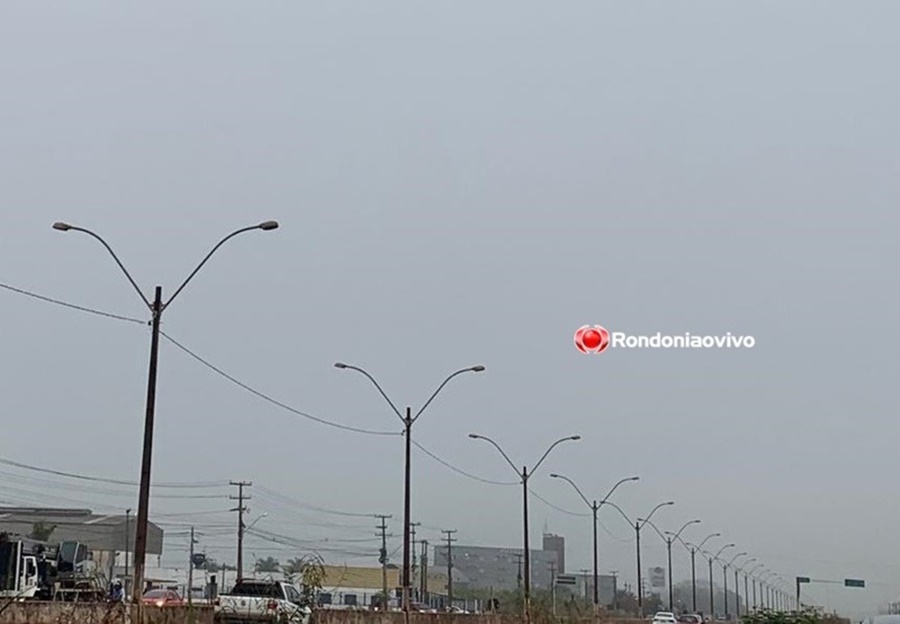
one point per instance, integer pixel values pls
(591, 339)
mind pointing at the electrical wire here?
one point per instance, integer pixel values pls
(73, 306)
(301, 504)
(72, 475)
(460, 470)
(269, 399)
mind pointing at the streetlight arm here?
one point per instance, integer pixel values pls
(475, 436)
(745, 564)
(733, 559)
(655, 509)
(689, 547)
(624, 515)
(64, 227)
(621, 481)
(552, 446)
(721, 550)
(375, 383)
(577, 489)
(686, 525)
(655, 528)
(707, 538)
(470, 369)
(266, 225)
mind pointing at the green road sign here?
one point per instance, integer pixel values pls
(803, 579)
(854, 583)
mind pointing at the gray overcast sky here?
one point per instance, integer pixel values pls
(463, 183)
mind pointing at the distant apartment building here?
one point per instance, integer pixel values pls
(557, 544)
(500, 569)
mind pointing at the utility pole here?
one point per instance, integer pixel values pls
(241, 510)
(412, 547)
(584, 574)
(615, 575)
(191, 571)
(425, 571)
(449, 539)
(553, 586)
(127, 548)
(383, 558)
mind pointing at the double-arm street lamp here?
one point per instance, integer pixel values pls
(737, 595)
(638, 525)
(408, 421)
(693, 550)
(524, 475)
(725, 567)
(668, 537)
(156, 308)
(595, 506)
(752, 574)
(712, 593)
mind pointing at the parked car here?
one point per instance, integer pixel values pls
(690, 618)
(162, 598)
(262, 601)
(665, 617)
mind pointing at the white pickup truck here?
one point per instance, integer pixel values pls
(262, 601)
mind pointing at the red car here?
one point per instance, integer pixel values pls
(162, 598)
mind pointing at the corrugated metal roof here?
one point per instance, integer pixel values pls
(99, 532)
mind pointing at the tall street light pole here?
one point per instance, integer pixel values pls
(638, 525)
(595, 506)
(524, 476)
(671, 538)
(712, 593)
(725, 567)
(157, 306)
(408, 421)
(752, 574)
(668, 542)
(693, 550)
(737, 595)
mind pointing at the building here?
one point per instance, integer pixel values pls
(500, 569)
(107, 537)
(346, 586)
(606, 584)
(557, 544)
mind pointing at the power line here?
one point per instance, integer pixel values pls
(73, 306)
(72, 475)
(269, 399)
(460, 470)
(197, 357)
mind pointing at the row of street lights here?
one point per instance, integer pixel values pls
(157, 306)
(775, 596)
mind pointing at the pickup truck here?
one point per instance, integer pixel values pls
(262, 601)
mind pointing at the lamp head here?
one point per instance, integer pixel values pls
(268, 225)
(554, 475)
(474, 436)
(340, 365)
(62, 227)
(575, 437)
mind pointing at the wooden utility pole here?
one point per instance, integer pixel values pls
(241, 510)
(449, 539)
(383, 558)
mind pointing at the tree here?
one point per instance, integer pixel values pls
(311, 572)
(269, 564)
(41, 531)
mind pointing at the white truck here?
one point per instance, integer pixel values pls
(253, 600)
